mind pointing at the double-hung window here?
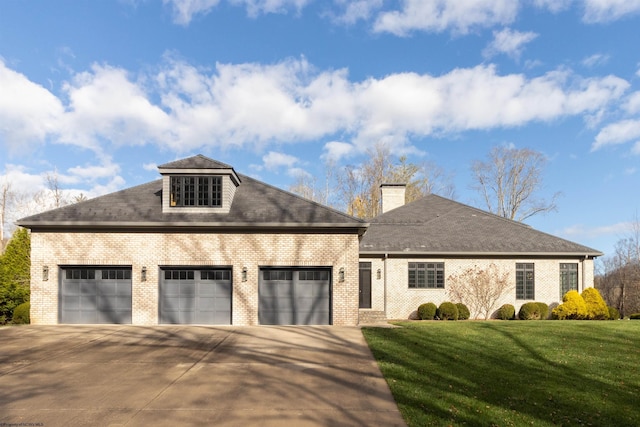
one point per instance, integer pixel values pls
(205, 191)
(428, 275)
(568, 278)
(525, 281)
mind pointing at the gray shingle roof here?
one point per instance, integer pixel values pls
(255, 204)
(435, 225)
(195, 162)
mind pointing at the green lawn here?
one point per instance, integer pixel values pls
(512, 373)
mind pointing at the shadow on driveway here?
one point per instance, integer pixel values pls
(191, 375)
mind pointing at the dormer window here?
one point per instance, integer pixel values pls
(195, 191)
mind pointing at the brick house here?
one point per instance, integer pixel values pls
(409, 251)
(206, 245)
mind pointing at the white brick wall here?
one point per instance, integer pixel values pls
(402, 302)
(153, 250)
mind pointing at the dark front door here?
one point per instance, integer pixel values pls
(365, 285)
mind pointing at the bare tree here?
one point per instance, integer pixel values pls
(421, 179)
(479, 289)
(6, 195)
(55, 192)
(509, 180)
(360, 186)
(619, 283)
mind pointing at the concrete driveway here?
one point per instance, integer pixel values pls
(190, 375)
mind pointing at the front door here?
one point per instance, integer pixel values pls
(365, 285)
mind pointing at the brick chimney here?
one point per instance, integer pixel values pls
(392, 196)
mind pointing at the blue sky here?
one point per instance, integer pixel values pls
(103, 91)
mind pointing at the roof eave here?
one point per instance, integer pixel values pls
(123, 225)
(483, 254)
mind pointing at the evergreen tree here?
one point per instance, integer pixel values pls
(15, 273)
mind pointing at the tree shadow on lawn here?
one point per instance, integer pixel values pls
(490, 373)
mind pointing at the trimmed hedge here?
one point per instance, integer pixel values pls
(533, 311)
(427, 311)
(21, 314)
(614, 314)
(463, 311)
(447, 311)
(544, 310)
(635, 316)
(507, 312)
(596, 307)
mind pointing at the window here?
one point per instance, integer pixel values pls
(178, 275)
(525, 281)
(203, 191)
(568, 278)
(426, 275)
(277, 275)
(215, 275)
(313, 275)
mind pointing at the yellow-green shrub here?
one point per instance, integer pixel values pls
(572, 307)
(596, 307)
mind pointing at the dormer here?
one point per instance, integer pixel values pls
(197, 184)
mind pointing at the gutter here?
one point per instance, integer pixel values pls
(479, 253)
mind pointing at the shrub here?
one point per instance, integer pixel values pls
(544, 310)
(572, 307)
(21, 313)
(463, 311)
(448, 311)
(614, 314)
(530, 311)
(427, 311)
(596, 307)
(507, 312)
(635, 316)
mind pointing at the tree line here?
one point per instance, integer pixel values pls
(508, 180)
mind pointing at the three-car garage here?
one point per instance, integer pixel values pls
(196, 295)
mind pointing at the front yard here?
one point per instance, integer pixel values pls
(512, 373)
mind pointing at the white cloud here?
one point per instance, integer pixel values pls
(274, 160)
(336, 150)
(28, 111)
(104, 102)
(609, 10)
(182, 108)
(185, 10)
(93, 172)
(509, 42)
(554, 6)
(299, 173)
(632, 105)
(595, 60)
(592, 232)
(356, 10)
(446, 15)
(257, 7)
(153, 167)
(617, 133)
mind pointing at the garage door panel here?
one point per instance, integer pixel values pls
(195, 296)
(85, 297)
(295, 296)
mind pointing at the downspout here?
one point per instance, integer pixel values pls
(384, 281)
(583, 272)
